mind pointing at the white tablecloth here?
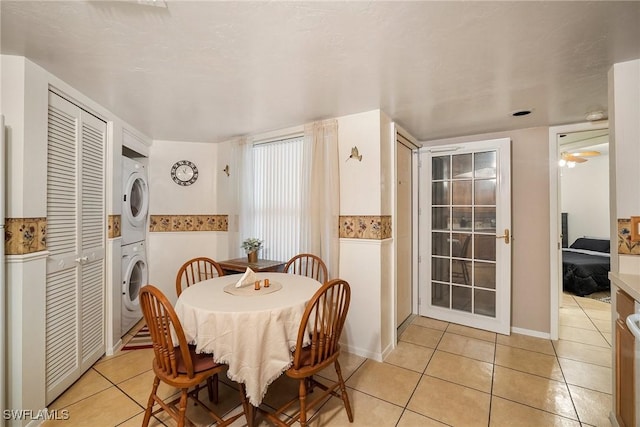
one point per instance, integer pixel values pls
(254, 335)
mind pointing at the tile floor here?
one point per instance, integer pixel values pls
(440, 374)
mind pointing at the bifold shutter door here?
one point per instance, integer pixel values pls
(93, 237)
(61, 289)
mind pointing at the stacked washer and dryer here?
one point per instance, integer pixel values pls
(135, 199)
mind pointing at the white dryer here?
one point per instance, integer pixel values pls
(135, 199)
(134, 277)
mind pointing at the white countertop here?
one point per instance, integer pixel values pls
(630, 283)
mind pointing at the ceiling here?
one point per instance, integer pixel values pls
(207, 71)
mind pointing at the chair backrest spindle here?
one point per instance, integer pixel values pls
(308, 265)
(196, 270)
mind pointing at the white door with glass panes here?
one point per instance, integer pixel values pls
(465, 234)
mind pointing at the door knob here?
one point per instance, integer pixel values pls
(505, 236)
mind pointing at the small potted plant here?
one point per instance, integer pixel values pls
(251, 246)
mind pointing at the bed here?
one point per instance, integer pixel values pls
(585, 266)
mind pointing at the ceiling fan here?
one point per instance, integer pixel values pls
(570, 159)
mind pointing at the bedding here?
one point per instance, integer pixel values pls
(585, 266)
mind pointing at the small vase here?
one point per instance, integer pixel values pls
(252, 257)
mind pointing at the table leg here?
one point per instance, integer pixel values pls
(251, 415)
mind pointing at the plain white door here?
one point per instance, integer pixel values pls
(465, 234)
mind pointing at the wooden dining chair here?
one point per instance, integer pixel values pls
(176, 363)
(196, 270)
(307, 265)
(322, 322)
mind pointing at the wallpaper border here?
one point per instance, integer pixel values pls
(625, 245)
(177, 223)
(114, 226)
(372, 227)
(25, 235)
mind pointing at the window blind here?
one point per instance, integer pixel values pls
(281, 200)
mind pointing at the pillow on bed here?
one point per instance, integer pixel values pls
(598, 245)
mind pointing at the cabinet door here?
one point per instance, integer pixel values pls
(76, 244)
(625, 375)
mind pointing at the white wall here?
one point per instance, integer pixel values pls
(624, 131)
(584, 192)
(167, 251)
(365, 188)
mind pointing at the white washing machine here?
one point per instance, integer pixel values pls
(134, 277)
(135, 199)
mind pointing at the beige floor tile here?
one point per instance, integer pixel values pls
(540, 345)
(413, 419)
(603, 325)
(450, 403)
(528, 361)
(419, 335)
(537, 392)
(385, 381)
(365, 409)
(568, 300)
(410, 356)
(468, 347)
(581, 321)
(109, 407)
(575, 311)
(137, 421)
(461, 370)
(583, 352)
(284, 389)
(593, 304)
(582, 336)
(608, 336)
(348, 365)
(505, 413)
(472, 332)
(593, 407)
(427, 322)
(198, 415)
(139, 388)
(599, 314)
(89, 384)
(587, 375)
(126, 366)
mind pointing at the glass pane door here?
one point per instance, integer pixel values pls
(465, 203)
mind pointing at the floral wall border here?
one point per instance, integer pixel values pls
(625, 245)
(174, 223)
(25, 235)
(373, 227)
(114, 226)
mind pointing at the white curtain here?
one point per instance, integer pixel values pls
(325, 193)
(243, 159)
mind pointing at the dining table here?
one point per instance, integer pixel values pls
(253, 331)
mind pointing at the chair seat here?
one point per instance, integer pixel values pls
(201, 361)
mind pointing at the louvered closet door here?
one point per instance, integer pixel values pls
(76, 244)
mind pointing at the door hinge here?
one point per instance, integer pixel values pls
(419, 259)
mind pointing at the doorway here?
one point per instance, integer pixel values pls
(405, 224)
(579, 137)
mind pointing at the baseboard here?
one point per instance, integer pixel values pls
(113, 350)
(362, 352)
(531, 333)
(387, 351)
